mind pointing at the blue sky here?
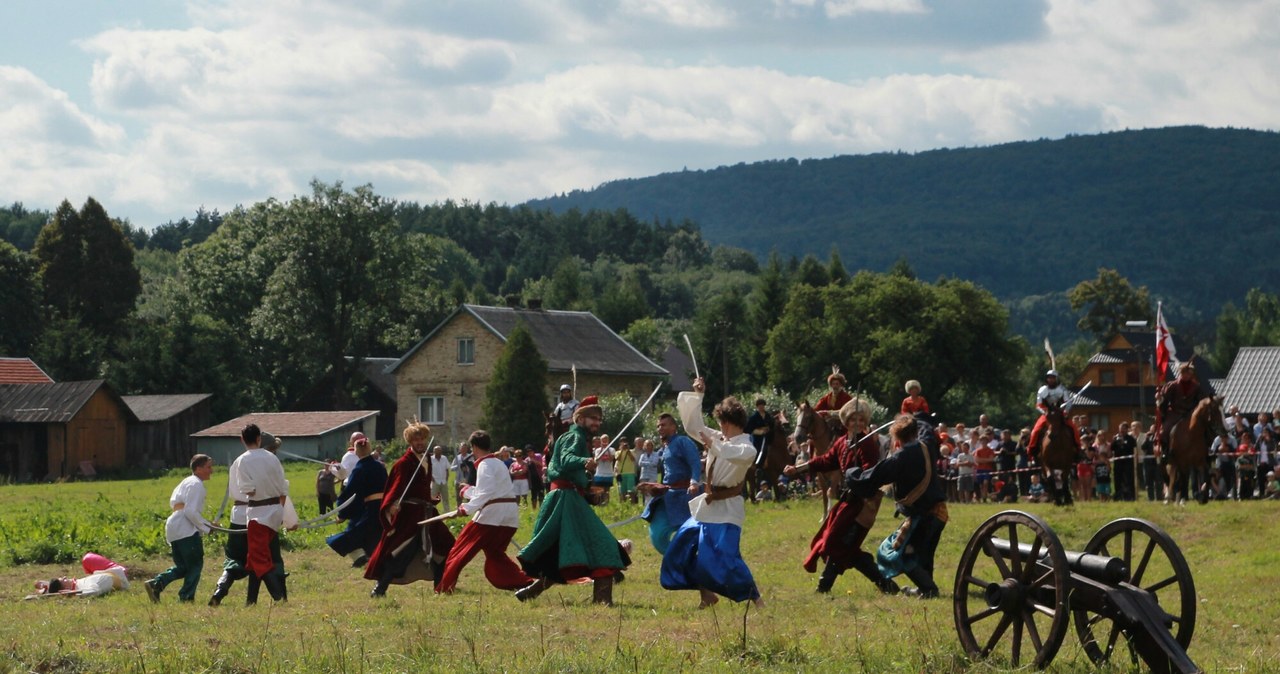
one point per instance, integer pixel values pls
(158, 107)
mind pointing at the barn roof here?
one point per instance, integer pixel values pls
(564, 338)
(377, 371)
(22, 371)
(288, 424)
(55, 403)
(162, 407)
(1253, 382)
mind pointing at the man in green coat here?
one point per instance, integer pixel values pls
(569, 541)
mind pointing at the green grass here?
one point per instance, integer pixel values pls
(331, 625)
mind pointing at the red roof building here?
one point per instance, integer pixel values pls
(22, 371)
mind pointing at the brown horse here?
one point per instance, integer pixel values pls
(820, 431)
(1057, 456)
(1188, 452)
(776, 458)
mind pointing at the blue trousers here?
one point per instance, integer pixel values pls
(705, 556)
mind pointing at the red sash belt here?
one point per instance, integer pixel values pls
(566, 484)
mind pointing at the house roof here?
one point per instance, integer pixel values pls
(1253, 382)
(55, 403)
(288, 424)
(1124, 396)
(161, 407)
(676, 361)
(22, 371)
(564, 338)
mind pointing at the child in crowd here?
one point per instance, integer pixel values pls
(1102, 475)
(1036, 493)
(765, 493)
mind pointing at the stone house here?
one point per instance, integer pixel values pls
(442, 379)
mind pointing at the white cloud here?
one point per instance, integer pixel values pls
(838, 8)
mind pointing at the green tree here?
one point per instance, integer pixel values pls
(1108, 301)
(1258, 324)
(86, 265)
(835, 268)
(20, 297)
(515, 398)
(811, 272)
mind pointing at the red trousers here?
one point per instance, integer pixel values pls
(500, 570)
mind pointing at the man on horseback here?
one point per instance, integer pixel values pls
(839, 540)
(1177, 399)
(1052, 394)
(834, 399)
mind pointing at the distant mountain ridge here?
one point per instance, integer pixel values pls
(1191, 212)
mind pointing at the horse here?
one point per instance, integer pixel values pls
(1188, 451)
(1057, 455)
(820, 431)
(554, 428)
(776, 458)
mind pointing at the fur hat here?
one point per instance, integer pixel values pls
(855, 407)
(836, 376)
(589, 404)
(911, 383)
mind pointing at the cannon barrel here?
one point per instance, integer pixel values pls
(1108, 570)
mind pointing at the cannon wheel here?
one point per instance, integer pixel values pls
(1156, 565)
(1004, 602)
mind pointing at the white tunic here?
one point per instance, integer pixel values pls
(1050, 396)
(239, 513)
(260, 476)
(186, 521)
(102, 582)
(348, 464)
(493, 481)
(728, 460)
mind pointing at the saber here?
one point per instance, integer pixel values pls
(304, 458)
(1071, 403)
(223, 508)
(574, 369)
(331, 513)
(633, 419)
(627, 521)
(439, 518)
(692, 357)
(1053, 362)
(408, 484)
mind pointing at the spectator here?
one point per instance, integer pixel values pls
(464, 469)
(1084, 472)
(1024, 462)
(1266, 448)
(1102, 474)
(765, 493)
(625, 467)
(349, 460)
(1035, 490)
(1151, 477)
(1245, 466)
(1123, 447)
(965, 468)
(519, 471)
(327, 486)
(537, 485)
(440, 476)
(1007, 463)
(984, 458)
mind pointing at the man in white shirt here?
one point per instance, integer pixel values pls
(184, 530)
(440, 476)
(260, 478)
(350, 459)
(492, 503)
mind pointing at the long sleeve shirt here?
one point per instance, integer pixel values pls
(439, 469)
(493, 481)
(648, 466)
(239, 513)
(681, 459)
(259, 476)
(187, 503)
(728, 460)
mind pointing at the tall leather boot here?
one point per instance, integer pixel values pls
(925, 587)
(866, 565)
(275, 585)
(380, 588)
(828, 578)
(602, 591)
(221, 589)
(251, 596)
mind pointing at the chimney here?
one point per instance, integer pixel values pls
(513, 301)
(534, 303)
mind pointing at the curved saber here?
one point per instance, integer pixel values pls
(331, 513)
(304, 458)
(421, 458)
(633, 419)
(627, 521)
(692, 357)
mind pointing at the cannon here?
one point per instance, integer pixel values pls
(1130, 590)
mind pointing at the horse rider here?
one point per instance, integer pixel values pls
(1177, 399)
(836, 398)
(1053, 393)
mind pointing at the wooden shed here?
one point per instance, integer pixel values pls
(49, 431)
(162, 436)
(314, 435)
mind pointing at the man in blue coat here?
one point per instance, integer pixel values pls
(682, 473)
(361, 498)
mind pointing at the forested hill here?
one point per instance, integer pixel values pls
(1186, 211)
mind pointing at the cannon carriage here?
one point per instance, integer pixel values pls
(1130, 592)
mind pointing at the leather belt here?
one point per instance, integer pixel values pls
(498, 500)
(722, 493)
(240, 503)
(680, 484)
(373, 497)
(278, 500)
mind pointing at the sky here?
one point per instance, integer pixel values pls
(159, 107)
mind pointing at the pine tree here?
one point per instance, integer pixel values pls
(86, 265)
(516, 396)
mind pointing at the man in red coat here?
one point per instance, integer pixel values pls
(409, 551)
(839, 540)
(834, 399)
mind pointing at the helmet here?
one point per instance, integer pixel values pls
(1051, 373)
(566, 387)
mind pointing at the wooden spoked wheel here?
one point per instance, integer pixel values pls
(1156, 565)
(1010, 604)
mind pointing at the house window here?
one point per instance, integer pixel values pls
(1100, 422)
(431, 409)
(466, 350)
(1107, 377)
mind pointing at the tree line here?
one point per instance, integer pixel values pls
(256, 304)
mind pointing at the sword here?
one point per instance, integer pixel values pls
(1076, 395)
(692, 357)
(633, 419)
(439, 518)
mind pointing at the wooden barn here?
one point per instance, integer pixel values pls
(51, 431)
(162, 436)
(314, 435)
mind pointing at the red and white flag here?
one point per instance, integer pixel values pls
(1165, 352)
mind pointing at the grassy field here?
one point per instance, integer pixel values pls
(331, 625)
